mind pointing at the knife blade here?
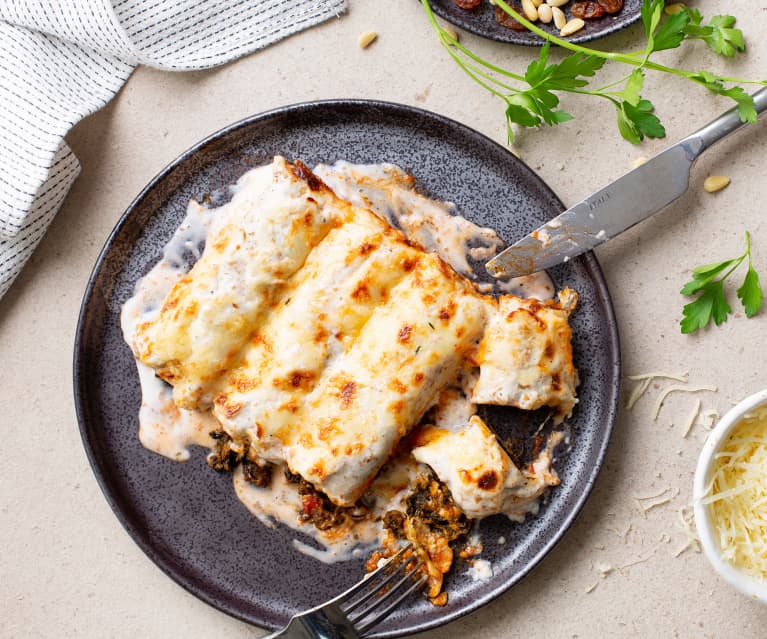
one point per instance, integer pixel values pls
(620, 205)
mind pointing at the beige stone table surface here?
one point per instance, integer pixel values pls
(68, 569)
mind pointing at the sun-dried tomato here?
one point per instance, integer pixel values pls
(505, 20)
(468, 4)
(611, 6)
(310, 504)
(587, 10)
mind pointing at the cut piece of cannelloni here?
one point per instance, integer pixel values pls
(526, 355)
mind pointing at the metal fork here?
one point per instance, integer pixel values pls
(364, 605)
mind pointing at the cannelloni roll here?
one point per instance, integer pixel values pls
(257, 242)
(372, 395)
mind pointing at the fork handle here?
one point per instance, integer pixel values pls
(312, 627)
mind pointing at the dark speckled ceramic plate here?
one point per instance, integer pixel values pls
(482, 22)
(186, 517)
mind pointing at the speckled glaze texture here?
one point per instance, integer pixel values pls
(185, 516)
(482, 22)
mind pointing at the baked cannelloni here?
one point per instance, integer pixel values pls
(336, 363)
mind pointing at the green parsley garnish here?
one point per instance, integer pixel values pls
(712, 303)
(533, 101)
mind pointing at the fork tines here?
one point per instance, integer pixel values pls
(370, 601)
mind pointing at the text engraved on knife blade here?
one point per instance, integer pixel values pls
(595, 204)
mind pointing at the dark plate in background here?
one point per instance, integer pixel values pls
(482, 22)
(186, 517)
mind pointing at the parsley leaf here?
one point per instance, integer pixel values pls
(569, 73)
(702, 275)
(671, 32)
(637, 121)
(633, 87)
(536, 105)
(652, 11)
(719, 34)
(750, 293)
(745, 101)
(712, 302)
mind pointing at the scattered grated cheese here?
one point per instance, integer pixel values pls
(709, 418)
(654, 495)
(639, 390)
(640, 560)
(620, 534)
(664, 538)
(686, 520)
(676, 378)
(677, 389)
(737, 497)
(691, 419)
(645, 379)
(602, 568)
(665, 496)
(592, 587)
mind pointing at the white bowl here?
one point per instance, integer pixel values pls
(751, 586)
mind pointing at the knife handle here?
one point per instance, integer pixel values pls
(720, 128)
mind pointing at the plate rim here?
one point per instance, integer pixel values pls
(80, 386)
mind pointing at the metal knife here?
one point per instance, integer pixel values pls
(618, 206)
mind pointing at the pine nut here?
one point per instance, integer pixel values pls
(559, 17)
(366, 39)
(556, 3)
(714, 183)
(544, 13)
(674, 8)
(531, 13)
(537, 3)
(451, 32)
(576, 24)
(638, 162)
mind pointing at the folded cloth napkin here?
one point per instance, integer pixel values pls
(62, 60)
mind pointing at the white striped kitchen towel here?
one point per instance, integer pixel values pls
(61, 60)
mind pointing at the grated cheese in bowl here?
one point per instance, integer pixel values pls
(730, 496)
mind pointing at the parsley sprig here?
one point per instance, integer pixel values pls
(708, 280)
(533, 101)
